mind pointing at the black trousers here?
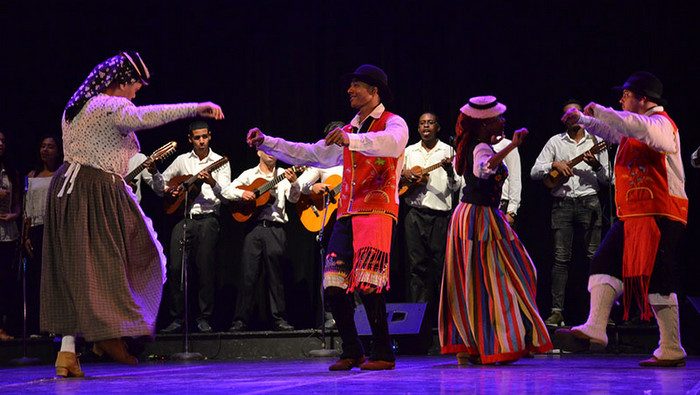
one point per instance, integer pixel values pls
(425, 235)
(9, 302)
(263, 250)
(342, 305)
(665, 278)
(36, 236)
(202, 236)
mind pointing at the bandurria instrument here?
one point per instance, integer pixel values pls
(159, 154)
(421, 174)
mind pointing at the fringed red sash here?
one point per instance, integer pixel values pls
(642, 237)
(371, 241)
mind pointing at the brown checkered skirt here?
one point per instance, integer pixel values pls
(103, 268)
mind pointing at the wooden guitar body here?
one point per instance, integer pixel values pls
(311, 210)
(242, 210)
(176, 205)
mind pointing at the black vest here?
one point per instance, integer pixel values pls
(479, 191)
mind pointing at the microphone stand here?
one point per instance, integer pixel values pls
(324, 351)
(186, 355)
(24, 360)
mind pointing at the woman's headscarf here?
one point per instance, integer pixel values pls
(124, 68)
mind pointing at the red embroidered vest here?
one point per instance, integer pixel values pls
(369, 182)
(641, 185)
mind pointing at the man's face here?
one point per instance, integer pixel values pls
(360, 94)
(268, 160)
(428, 127)
(630, 102)
(200, 138)
(573, 127)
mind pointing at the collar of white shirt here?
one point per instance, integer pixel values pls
(211, 156)
(586, 136)
(376, 113)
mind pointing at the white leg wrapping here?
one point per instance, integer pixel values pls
(603, 295)
(68, 344)
(670, 347)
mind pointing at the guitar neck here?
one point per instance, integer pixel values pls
(213, 167)
(432, 167)
(269, 185)
(132, 174)
(594, 150)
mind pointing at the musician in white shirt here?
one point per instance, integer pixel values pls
(576, 202)
(150, 175)
(430, 205)
(264, 243)
(202, 227)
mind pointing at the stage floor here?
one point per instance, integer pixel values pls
(542, 374)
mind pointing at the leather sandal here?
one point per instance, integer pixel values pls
(662, 363)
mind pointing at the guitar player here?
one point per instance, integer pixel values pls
(576, 203)
(429, 208)
(202, 227)
(264, 243)
(151, 176)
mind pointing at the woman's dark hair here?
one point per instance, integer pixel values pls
(38, 164)
(466, 130)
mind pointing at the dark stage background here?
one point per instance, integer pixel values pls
(277, 65)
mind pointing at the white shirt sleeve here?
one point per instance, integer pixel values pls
(694, 159)
(308, 178)
(543, 163)
(318, 154)
(482, 153)
(512, 161)
(231, 191)
(654, 130)
(389, 142)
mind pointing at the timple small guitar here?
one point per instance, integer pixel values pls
(421, 177)
(555, 178)
(311, 208)
(243, 210)
(189, 185)
(159, 154)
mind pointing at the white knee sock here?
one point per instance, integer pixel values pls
(68, 344)
(670, 347)
(602, 298)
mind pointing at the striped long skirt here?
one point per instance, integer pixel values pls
(103, 268)
(487, 303)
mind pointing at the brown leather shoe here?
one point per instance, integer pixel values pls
(663, 363)
(464, 358)
(378, 365)
(347, 363)
(67, 365)
(4, 336)
(115, 348)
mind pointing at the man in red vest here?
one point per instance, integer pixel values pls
(370, 148)
(640, 251)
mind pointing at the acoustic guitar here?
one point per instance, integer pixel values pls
(243, 210)
(421, 174)
(554, 178)
(188, 185)
(159, 154)
(311, 208)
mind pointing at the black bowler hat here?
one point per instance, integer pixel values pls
(374, 76)
(643, 83)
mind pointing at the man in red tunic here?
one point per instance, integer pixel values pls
(370, 149)
(640, 251)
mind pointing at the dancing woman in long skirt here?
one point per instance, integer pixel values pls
(488, 312)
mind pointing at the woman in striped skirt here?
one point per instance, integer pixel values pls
(488, 312)
(103, 268)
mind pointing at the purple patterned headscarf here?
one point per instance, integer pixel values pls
(124, 68)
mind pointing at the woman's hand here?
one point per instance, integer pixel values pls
(210, 110)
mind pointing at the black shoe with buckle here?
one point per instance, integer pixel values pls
(203, 326)
(174, 327)
(282, 326)
(238, 326)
